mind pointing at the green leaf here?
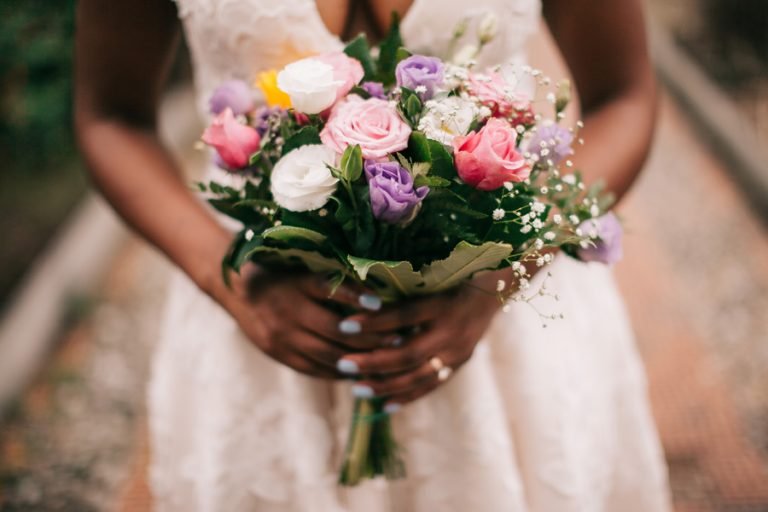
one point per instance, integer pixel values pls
(307, 135)
(442, 161)
(290, 233)
(418, 147)
(413, 107)
(358, 49)
(312, 260)
(464, 261)
(388, 51)
(391, 279)
(422, 169)
(430, 181)
(402, 54)
(352, 163)
(254, 158)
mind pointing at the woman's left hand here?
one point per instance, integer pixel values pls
(448, 325)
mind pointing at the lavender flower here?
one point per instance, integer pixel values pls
(551, 142)
(607, 248)
(421, 74)
(234, 94)
(375, 89)
(265, 116)
(393, 198)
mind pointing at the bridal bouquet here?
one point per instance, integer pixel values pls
(407, 173)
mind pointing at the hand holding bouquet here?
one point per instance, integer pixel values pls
(407, 174)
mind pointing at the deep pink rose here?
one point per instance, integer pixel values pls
(495, 93)
(373, 124)
(489, 158)
(235, 142)
(346, 70)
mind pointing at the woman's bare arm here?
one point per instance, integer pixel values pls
(604, 45)
(123, 51)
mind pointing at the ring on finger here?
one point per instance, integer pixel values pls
(441, 369)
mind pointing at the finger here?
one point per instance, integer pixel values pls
(322, 352)
(347, 333)
(351, 294)
(307, 366)
(402, 359)
(402, 383)
(395, 402)
(403, 315)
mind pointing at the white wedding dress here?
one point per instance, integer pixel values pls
(540, 419)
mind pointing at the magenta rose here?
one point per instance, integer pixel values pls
(233, 141)
(346, 70)
(373, 124)
(489, 158)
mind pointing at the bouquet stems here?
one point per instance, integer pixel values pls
(371, 448)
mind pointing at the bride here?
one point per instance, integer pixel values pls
(250, 395)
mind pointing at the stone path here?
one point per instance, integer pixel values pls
(696, 282)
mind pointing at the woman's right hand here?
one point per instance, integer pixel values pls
(287, 316)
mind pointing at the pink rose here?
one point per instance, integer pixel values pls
(495, 93)
(373, 124)
(346, 70)
(234, 141)
(489, 158)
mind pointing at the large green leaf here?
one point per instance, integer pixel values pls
(388, 51)
(464, 261)
(313, 260)
(289, 233)
(392, 279)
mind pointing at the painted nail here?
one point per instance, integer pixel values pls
(392, 408)
(362, 391)
(350, 327)
(347, 366)
(370, 301)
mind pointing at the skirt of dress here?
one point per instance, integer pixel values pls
(551, 419)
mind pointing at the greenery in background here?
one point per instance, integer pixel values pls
(41, 178)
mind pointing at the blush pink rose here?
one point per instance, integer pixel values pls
(346, 70)
(495, 93)
(489, 158)
(235, 142)
(373, 124)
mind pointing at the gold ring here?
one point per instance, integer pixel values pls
(443, 371)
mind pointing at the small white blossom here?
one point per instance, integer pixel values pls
(526, 229)
(594, 210)
(524, 283)
(509, 185)
(538, 244)
(446, 118)
(549, 236)
(249, 235)
(500, 285)
(557, 218)
(538, 207)
(537, 224)
(540, 261)
(574, 219)
(498, 214)
(544, 190)
(570, 179)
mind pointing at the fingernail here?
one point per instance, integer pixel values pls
(350, 327)
(370, 301)
(397, 341)
(392, 408)
(347, 366)
(362, 391)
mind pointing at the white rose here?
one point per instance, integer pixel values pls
(310, 84)
(301, 180)
(445, 118)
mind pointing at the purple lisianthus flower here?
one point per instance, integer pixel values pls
(554, 138)
(265, 116)
(393, 197)
(419, 71)
(607, 247)
(375, 89)
(234, 94)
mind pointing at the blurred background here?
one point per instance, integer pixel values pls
(80, 298)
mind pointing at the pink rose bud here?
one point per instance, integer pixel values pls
(235, 142)
(489, 158)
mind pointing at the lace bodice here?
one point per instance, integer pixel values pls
(239, 38)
